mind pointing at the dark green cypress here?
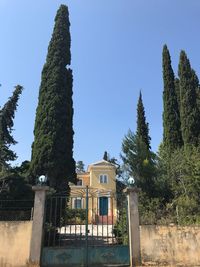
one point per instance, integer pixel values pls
(177, 89)
(105, 156)
(195, 79)
(7, 114)
(137, 156)
(142, 126)
(197, 91)
(172, 137)
(188, 109)
(52, 149)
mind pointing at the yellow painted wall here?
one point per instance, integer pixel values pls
(92, 180)
(170, 245)
(97, 171)
(14, 243)
(85, 177)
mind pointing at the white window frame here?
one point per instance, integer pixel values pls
(103, 178)
(74, 201)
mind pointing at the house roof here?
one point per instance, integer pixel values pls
(83, 173)
(101, 163)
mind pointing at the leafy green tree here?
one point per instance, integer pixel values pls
(151, 210)
(172, 137)
(179, 185)
(23, 170)
(140, 162)
(142, 126)
(7, 114)
(12, 184)
(189, 113)
(52, 149)
(80, 167)
(164, 179)
(185, 173)
(119, 170)
(138, 159)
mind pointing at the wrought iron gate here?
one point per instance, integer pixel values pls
(86, 229)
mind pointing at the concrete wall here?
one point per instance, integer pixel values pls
(14, 243)
(170, 245)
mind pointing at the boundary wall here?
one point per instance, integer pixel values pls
(15, 240)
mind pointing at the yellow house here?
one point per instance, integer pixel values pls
(100, 180)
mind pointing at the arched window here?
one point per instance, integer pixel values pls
(103, 178)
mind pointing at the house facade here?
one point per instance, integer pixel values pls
(100, 183)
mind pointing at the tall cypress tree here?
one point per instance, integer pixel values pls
(172, 137)
(105, 156)
(196, 82)
(142, 126)
(177, 89)
(52, 149)
(137, 156)
(7, 114)
(188, 109)
(195, 79)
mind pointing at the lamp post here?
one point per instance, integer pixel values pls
(133, 221)
(131, 181)
(42, 179)
(38, 219)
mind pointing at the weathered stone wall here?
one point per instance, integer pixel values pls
(170, 245)
(14, 243)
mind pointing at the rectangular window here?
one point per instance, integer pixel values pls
(80, 182)
(77, 203)
(103, 179)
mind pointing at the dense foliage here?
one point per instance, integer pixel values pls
(189, 112)
(13, 184)
(136, 154)
(172, 137)
(180, 199)
(7, 114)
(142, 126)
(80, 167)
(52, 149)
(170, 182)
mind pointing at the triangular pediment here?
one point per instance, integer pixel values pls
(102, 163)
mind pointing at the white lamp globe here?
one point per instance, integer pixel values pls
(42, 179)
(131, 181)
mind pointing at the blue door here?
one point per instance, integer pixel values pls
(103, 206)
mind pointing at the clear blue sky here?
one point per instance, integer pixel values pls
(116, 51)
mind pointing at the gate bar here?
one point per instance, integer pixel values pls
(86, 228)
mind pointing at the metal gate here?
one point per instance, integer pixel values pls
(86, 229)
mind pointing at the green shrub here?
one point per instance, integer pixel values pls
(75, 216)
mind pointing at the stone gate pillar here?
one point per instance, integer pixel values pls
(38, 220)
(134, 229)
